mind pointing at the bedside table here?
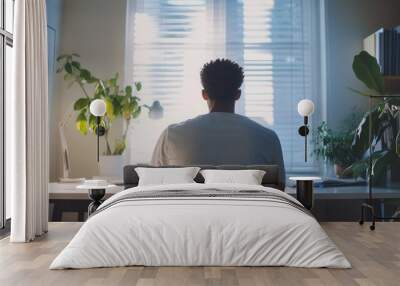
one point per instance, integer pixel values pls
(96, 193)
(304, 190)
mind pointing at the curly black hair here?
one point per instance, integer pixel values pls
(221, 79)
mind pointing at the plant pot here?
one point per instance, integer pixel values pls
(339, 169)
(111, 166)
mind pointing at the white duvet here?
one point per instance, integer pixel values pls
(200, 231)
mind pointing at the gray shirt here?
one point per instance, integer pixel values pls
(219, 138)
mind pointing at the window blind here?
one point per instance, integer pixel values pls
(276, 42)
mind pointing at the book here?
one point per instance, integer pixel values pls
(384, 45)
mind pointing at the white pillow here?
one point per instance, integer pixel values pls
(165, 176)
(248, 177)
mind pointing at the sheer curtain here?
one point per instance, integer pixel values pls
(27, 136)
(276, 42)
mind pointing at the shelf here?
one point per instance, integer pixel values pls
(392, 84)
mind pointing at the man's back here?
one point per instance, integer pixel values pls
(218, 138)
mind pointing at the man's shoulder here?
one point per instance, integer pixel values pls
(224, 119)
(198, 120)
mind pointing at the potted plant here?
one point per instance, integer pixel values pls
(377, 138)
(121, 102)
(335, 147)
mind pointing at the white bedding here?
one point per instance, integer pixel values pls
(192, 231)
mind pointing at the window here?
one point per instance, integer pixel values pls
(276, 42)
(6, 44)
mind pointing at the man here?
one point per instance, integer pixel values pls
(221, 136)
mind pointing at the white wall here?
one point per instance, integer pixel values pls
(95, 29)
(347, 24)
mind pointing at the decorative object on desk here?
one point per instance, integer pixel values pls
(121, 103)
(156, 111)
(305, 108)
(97, 191)
(305, 190)
(98, 109)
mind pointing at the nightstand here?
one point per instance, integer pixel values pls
(67, 203)
(97, 191)
(304, 190)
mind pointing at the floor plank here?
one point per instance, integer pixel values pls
(375, 257)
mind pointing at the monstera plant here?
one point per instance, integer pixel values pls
(121, 102)
(377, 138)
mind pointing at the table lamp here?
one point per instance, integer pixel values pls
(305, 108)
(98, 109)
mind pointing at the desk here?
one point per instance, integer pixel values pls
(349, 192)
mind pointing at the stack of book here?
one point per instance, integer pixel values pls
(384, 45)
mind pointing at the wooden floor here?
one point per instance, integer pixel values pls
(375, 257)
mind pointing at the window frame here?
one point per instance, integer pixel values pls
(312, 15)
(6, 39)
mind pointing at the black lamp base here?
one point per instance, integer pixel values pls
(303, 130)
(96, 196)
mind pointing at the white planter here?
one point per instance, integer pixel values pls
(111, 166)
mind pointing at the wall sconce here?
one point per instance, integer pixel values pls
(98, 109)
(305, 108)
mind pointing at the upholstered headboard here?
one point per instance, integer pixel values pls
(271, 177)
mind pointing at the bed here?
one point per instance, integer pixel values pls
(198, 224)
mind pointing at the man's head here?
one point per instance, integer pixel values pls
(221, 80)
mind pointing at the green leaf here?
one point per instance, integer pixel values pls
(113, 82)
(367, 70)
(92, 122)
(76, 64)
(81, 103)
(362, 140)
(117, 105)
(128, 90)
(92, 79)
(136, 112)
(61, 57)
(85, 75)
(109, 108)
(138, 85)
(68, 68)
(127, 109)
(81, 123)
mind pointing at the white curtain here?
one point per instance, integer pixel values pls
(27, 148)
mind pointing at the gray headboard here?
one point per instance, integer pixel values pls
(271, 177)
